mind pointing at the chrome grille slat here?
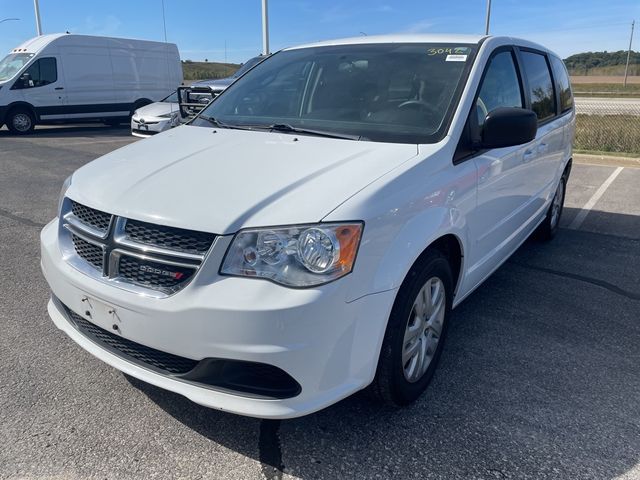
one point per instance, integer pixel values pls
(91, 217)
(170, 238)
(145, 258)
(93, 254)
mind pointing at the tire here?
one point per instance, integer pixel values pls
(143, 102)
(395, 382)
(551, 223)
(21, 121)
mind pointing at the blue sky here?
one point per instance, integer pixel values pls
(201, 28)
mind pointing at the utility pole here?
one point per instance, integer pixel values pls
(265, 28)
(486, 27)
(626, 68)
(164, 23)
(36, 7)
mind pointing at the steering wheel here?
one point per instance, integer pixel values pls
(421, 104)
(483, 108)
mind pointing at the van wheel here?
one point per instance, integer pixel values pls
(21, 121)
(415, 332)
(139, 104)
(551, 224)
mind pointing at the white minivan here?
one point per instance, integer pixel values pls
(309, 233)
(64, 77)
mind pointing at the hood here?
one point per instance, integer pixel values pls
(216, 85)
(157, 109)
(191, 177)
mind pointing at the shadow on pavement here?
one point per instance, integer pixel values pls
(539, 379)
(60, 131)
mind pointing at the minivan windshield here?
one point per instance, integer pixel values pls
(12, 64)
(391, 92)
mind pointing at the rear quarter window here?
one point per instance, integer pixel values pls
(562, 83)
(541, 90)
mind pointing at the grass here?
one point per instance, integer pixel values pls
(207, 70)
(608, 133)
(607, 89)
(634, 69)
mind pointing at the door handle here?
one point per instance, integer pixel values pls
(542, 148)
(59, 88)
(529, 155)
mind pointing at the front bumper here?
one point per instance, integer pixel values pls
(150, 127)
(330, 347)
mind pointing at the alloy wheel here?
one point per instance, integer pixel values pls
(556, 207)
(21, 122)
(424, 329)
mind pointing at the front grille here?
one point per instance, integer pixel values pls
(165, 362)
(189, 241)
(91, 217)
(158, 259)
(144, 132)
(153, 274)
(93, 254)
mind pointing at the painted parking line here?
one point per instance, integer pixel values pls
(577, 222)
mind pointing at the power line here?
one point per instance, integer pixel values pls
(584, 27)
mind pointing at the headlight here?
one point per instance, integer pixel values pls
(63, 192)
(296, 256)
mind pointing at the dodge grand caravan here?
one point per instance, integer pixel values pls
(309, 233)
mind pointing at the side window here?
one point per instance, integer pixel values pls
(541, 91)
(500, 86)
(42, 72)
(562, 83)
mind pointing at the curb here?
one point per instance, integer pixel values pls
(607, 160)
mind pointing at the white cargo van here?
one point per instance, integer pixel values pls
(65, 77)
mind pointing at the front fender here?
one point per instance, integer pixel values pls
(403, 215)
(410, 242)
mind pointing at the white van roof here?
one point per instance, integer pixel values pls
(36, 44)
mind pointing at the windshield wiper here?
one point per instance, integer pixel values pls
(212, 121)
(219, 124)
(280, 127)
(285, 127)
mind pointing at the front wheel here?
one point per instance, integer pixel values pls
(415, 332)
(21, 121)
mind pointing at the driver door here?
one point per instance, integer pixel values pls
(42, 86)
(504, 189)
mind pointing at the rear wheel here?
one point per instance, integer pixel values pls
(21, 121)
(415, 332)
(143, 102)
(551, 224)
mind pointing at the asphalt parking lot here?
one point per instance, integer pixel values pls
(540, 377)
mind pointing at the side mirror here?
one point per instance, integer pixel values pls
(509, 126)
